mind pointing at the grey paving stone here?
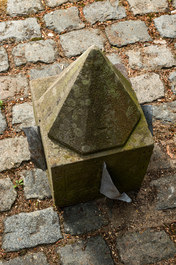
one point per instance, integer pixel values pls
(159, 160)
(36, 51)
(151, 58)
(66, 19)
(22, 116)
(166, 25)
(148, 87)
(165, 112)
(13, 152)
(102, 11)
(47, 70)
(127, 32)
(28, 259)
(36, 184)
(27, 230)
(23, 7)
(172, 79)
(3, 123)
(4, 63)
(54, 3)
(114, 58)
(145, 247)
(7, 194)
(11, 85)
(76, 42)
(83, 218)
(148, 6)
(91, 251)
(174, 3)
(166, 192)
(20, 30)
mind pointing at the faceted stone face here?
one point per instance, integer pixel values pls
(98, 113)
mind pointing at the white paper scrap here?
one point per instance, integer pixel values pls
(108, 188)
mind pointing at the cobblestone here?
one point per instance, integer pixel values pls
(114, 58)
(145, 247)
(54, 3)
(91, 251)
(37, 51)
(127, 32)
(166, 192)
(4, 64)
(23, 116)
(13, 152)
(3, 123)
(148, 6)
(166, 25)
(20, 30)
(7, 194)
(11, 85)
(27, 230)
(148, 87)
(82, 218)
(23, 7)
(28, 259)
(48, 70)
(102, 11)
(78, 41)
(151, 58)
(36, 184)
(172, 79)
(62, 20)
(165, 112)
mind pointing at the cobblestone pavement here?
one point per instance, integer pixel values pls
(40, 38)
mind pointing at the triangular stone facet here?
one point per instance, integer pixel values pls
(90, 108)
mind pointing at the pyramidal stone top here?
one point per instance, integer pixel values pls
(88, 108)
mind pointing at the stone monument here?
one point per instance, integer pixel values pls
(89, 115)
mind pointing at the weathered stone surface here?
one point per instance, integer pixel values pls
(172, 79)
(166, 192)
(145, 247)
(4, 63)
(11, 85)
(78, 41)
(166, 25)
(7, 194)
(29, 259)
(67, 168)
(23, 7)
(22, 116)
(35, 184)
(86, 135)
(66, 19)
(91, 251)
(151, 58)
(37, 51)
(148, 6)
(83, 218)
(159, 160)
(114, 58)
(20, 29)
(174, 3)
(3, 123)
(102, 11)
(127, 32)
(165, 112)
(13, 152)
(27, 230)
(54, 3)
(48, 70)
(148, 87)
